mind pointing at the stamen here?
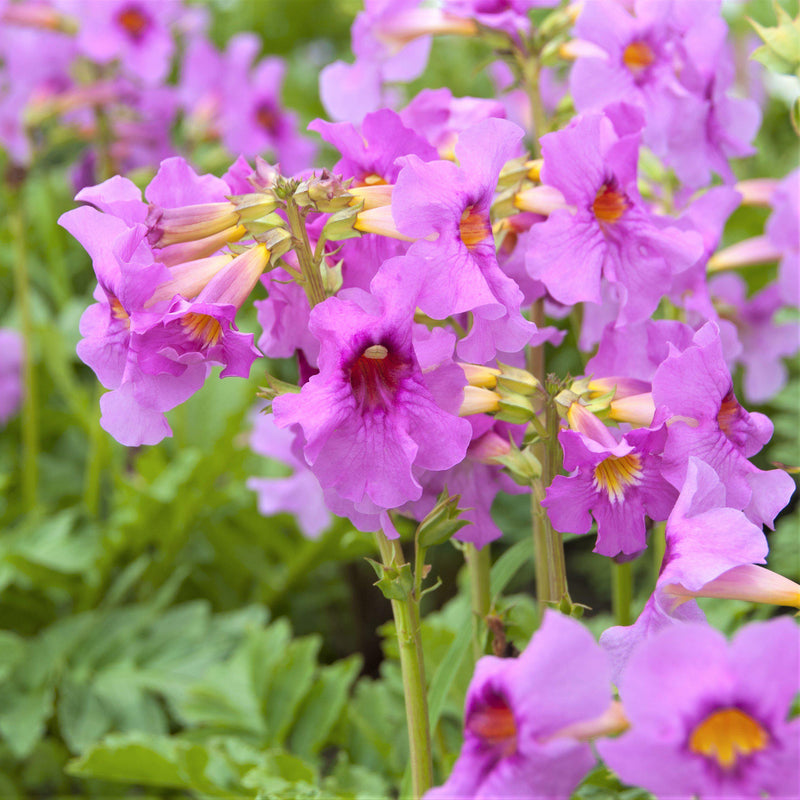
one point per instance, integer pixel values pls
(474, 227)
(614, 474)
(727, 735)
(637, 57)
(202, 328)
(375, 376)
(609, 204)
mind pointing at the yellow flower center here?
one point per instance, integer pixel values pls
(474, 227)
(609, 204)
(117, 311)
(614, 474)
(726, 735)
(202, 328)
(637, 57)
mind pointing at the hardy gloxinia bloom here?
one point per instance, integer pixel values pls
(515, 711)
(617, 481)
(708, 719)
(705, 540)
(449, 205)
(608, 234)
(369, 153)
(299, 494)
(696, 389)
(382, 406)
(764, 342)
(137, 32)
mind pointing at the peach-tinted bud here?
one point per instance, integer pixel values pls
(488, 447)
(637, 409)
(609, 723)
(379, 221)
(621, 387)
(478, 375)
(374, 196)
(478, 401)
(186, 223)
(540, 200)
(189, 278)
(175, 254)
(750, 252)
(748, 582)
(757, 191)
(405, 26)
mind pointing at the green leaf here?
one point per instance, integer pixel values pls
(12, 650)
(292, 679)
(82, 716)
(323, 706)
(135, 759)
(23, 716)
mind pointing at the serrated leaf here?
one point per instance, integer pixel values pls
(292, 679)
(136, 759)
(82, 715)
(12, 650)
(23, 716)
(322, 706)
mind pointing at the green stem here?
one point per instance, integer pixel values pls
(548, 547)
(621, 592)
(531, 71)
(95, 458)
(302, 246)
(478, 565)
(658, 546)
(30, 408)
(409, 640)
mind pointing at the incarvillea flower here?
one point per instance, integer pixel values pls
(518, 715)
(670, 60)
(606, 233)
(300, 493)
(384, 404)
(618, 482)
(695, 389)
(159, 322)
(708, 719)
(705, 540)
(446, 208)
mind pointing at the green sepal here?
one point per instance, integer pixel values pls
(442, 522)
(781, 49)
(396, 582)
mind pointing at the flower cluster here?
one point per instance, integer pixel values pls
(398, 283)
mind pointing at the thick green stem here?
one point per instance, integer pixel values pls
(531, 71)
(658, 546)
(30, 413)
(478, 565)
(95, 461)
(409, 640)
(314, 289)
(548, 547)
(621, 592)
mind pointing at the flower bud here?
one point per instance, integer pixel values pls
(478, 401)
(517, 380)
(187, 223)
(478, 375)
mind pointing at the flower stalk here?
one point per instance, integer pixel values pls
(312, 278)
(405, 609)
(478, 565)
